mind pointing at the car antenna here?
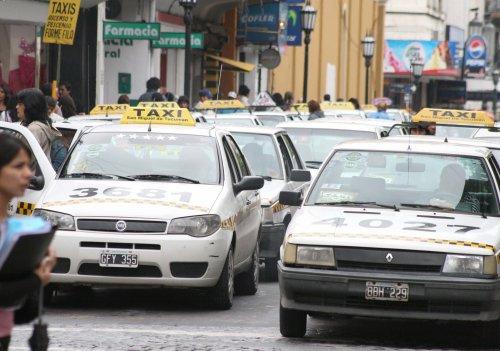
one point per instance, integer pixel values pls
(445, 139)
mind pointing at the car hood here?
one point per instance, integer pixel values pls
(128, 199)
(384, 228)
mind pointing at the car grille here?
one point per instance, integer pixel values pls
(128, 246)
(132, 226)
(143, 271)
(356, 259)
(188, 269)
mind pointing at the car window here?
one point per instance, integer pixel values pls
(270, 120)
(235, 174)
(34, 164)
(240, 158)
(286, 156)
(261, 153)
(297, 164)
(130, 154)
(452, 183)
(455, 132)
(241, 122)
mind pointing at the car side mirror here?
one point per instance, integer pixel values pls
(36, 183)
(249, 183)
(300, 175)
(290, 198)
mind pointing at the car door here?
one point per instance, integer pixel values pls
(250, 217)
(42, 170)
(296, 162)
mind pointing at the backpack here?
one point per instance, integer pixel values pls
(58, 153)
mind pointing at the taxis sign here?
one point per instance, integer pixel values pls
(301, 107)
(369, 107)
(341, 105)
(165, 116)
(168, 104)
(116, 109)
(221, 104)
(60, 26)
(440, 116)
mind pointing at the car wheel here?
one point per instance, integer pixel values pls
(49, 292)
(292, 323)
(271, 270)
(247, 283)
(490, 333)
(222, 294)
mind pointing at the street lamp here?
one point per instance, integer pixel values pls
(368, 51)
(188, 21)
(495, 74)
(308, 20)
(417, 68)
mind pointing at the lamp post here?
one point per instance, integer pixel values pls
(308, 20)
(188, 21)
(417, 68)
(368, 51)
(495, 74)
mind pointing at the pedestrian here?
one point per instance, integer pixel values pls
(11, 109)
(65, 90)
(155, 97)
(381, 111)
(355, 103)
(5, 96)
(51, 106)
(47, 91)
(15, 175)
(243, 92)
(33, 112)
(183, 102)
(169, 97)
(67, 106)
(152, 86)
(232, 95)
(289, 101)
(204, 95)
(327, 98)
(278, 99)
(124, 99)
(314, 110)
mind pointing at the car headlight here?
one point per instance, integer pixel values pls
(63, 221)
(470, 264)
(197, 226)
(309, 255)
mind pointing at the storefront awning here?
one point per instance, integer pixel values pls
(241, 66)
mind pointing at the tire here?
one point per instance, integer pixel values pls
(247, 283)
(490, 332)
(222, 294)
(292, 323)
(270, 273)
(49, 292)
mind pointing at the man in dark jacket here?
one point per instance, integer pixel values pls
(152, 86)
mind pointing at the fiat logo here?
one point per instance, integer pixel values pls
(389, 257)
(121, 226)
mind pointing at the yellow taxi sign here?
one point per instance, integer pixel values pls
(461, 117)
(301, 107)
(339, 105)
(159, 104)
(165, 116)
(369, 107)
(221, 104)
(115, 109)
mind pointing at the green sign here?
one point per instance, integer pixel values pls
(131, 30)
(177, 40)
(124, 83)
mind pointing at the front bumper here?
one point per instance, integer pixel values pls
(431, 296)
(164, 260)
(271, 239)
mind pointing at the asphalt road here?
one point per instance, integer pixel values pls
(109, 319)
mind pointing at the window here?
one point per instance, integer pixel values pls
(34, 164)
(235, 174)
(240, 159)
(297, 164)
(286, 157)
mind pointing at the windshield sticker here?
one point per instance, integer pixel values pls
(335, 196)
(334, 186)
(353, 156)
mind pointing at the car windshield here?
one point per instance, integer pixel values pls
(270, 120)
(150, 156)
(455, 132)
(241, 122)
(315, 144)
(261, 153)
(420, 181)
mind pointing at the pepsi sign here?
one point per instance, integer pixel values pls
(475, 57)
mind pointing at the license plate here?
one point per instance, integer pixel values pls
(387, 291)
(124, 259)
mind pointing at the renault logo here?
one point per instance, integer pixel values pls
(389, 257)
(121, 226)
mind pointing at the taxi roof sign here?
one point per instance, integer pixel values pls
(458, 117)
(339, 105)
(221, 104)
(302, 107)
(159, 104)
(369, 107)
(165, 116)
(113, 109)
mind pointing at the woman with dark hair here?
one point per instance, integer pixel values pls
(32, 110)
(314, 110)
(4, 102)
(355, 103)
(289, 101)
(68, 107)
(278, 99)
(15, 175)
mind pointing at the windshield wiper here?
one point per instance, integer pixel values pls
(97, 176)
(442, 208)
(313, 164)
(358, 203)
(164, 177)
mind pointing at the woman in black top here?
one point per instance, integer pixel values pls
(15, 175)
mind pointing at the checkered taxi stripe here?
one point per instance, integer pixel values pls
(278, 207)
(402, 238)
(175, 204)
(229, 223)
(25, 208)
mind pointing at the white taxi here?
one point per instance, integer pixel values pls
(241, 119)
(271, 154)
(155, 201)
(398, 228)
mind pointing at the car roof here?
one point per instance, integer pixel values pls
(415, 145)
(487, 133)
(199, 129)
(328, 124)
(365, 121)
(269, 113)
(252, 130)
(453, 141)
(231, 116)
